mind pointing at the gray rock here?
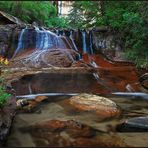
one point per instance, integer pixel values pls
(138, 124)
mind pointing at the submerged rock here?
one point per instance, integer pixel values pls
(100, 105)
(69, 133)
(30, 105)
(138, 124)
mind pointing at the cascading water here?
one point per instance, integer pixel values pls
(21, 43)
(90, 42)
(74, 45)
(71, 38)
(84, 42)
(44, 39)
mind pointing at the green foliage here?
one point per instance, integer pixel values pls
(3, 97)
(57, 22)
(42, 12)
(83, 14)
(129, 18)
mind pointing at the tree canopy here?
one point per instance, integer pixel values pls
(42, 12)
(129, 18)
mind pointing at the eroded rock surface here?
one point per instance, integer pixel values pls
(45, 58)
(100, 105)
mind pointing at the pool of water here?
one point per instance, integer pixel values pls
(56, 107)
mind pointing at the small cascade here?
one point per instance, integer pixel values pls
(29, 87)
(39, 39)
(84, 42)
(97, 77)
(90, 42)
(46, 39)
(129, 88)
(74, 45)
(95, 74)
(71, 38)
(21, 43)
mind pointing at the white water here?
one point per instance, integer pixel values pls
(32, 96)
(20, 42)
(91, 43)
(44, 39)
(134, 94)
(84, 42)
(71, 38)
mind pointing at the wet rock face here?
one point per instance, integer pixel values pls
(45, 58)
(107, 42)
(138, 124)
(68, 133)
(6, 117)
(144, 81)
(6, 33)
(119, 76)
(100, 105)
(56, 82)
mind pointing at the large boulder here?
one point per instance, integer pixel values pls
(100, 105)
(45, 58)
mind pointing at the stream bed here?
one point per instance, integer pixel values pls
(56, 108)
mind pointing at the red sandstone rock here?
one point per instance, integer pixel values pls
(44, 58)
(100, 105)
(70, 133)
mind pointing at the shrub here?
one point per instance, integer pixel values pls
(3, 97)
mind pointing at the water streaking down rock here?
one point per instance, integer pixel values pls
(45, 58)
(100, 105)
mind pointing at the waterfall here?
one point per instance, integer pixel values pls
(42, 40)
(90, 42)
(21, 43)
(29, 87)
(46, 39)
(84, 42)
(74, 45)
(71, 38)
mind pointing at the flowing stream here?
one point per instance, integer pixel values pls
(56, 107)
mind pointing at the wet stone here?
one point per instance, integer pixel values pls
(137, 124)
(102, 106)
(68, 133)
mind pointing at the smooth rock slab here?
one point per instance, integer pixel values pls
(100, 105)
(138, 124)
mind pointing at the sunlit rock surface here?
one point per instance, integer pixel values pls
(100, 105)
